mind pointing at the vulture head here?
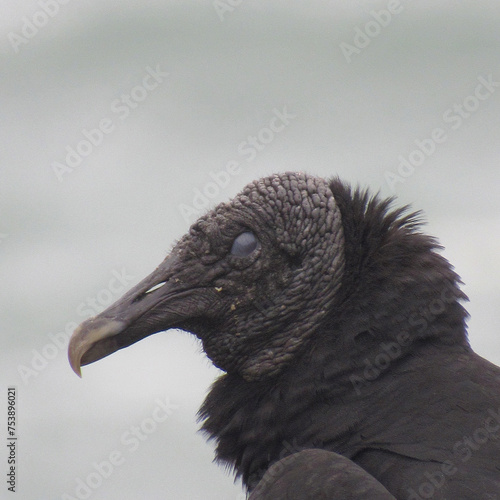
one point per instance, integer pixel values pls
(256, 277)
(303, 290)
(253, 279)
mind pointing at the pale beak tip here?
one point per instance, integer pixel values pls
(86, 336)
(75, 365)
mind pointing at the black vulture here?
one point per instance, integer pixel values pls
(342, 335)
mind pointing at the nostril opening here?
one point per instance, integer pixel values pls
(150, 290)
(155, 287)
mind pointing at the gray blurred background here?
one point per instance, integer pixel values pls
(180, 89)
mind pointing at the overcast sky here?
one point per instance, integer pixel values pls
(117, 123)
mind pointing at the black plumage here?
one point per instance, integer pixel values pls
(342, 334)
(319, 475)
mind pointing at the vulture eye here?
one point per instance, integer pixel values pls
(244, 244)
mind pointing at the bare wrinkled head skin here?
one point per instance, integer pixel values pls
(254, 299)
(278, 294)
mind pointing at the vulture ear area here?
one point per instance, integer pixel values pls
(295, 261)
(294, 254)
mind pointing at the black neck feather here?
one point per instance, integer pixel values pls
(397, 296)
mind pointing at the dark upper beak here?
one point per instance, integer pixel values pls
(159, 302)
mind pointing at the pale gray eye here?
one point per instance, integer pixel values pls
(244, 244)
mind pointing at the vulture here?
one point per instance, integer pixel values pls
(342, 334)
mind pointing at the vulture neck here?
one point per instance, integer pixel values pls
(394, 324)
(319, 403)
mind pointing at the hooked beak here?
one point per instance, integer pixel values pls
(159, 302)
